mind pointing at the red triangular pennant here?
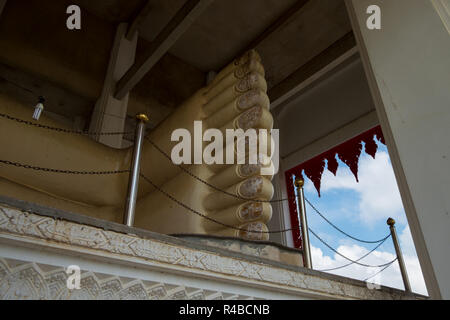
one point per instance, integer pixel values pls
(332, 163)
(314, 171)
(349, 153)
(371, 146)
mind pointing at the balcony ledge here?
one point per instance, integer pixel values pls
(37, 244)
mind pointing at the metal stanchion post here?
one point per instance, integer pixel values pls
(299, 183)
(133, 182)
(401, 262)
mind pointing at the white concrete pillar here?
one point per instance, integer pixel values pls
(109, 113)
(281, 209)
(408, 67)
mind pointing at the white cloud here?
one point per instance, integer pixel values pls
(406, 242)
(378, 198)
(390, 277)
(377, 189)
(411, 260)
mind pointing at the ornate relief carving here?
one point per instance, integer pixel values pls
(249, 82)
(23, 283)
(251, 187)
(253, 231)
(250, 211)
(254, 97)
(28, 281)
(249, 119)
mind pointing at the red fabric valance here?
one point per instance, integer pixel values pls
(348, 152)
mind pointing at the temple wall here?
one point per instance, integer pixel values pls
(236, 99)
(117, 262)
(408, 63)
(71, 76)
(335, 101)
(336, 108)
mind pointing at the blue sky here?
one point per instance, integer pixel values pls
(361, 209)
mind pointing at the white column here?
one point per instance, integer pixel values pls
(408, 66)
(109, 113)
(282, 209)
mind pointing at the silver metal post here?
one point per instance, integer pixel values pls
(401, 262)
(133, 182)
(299, 183)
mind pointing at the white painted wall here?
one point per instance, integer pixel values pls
(97, 266)
(337, 108)
(336, 101)
(110, 113)
(408, 65)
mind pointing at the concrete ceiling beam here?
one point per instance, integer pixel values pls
(136, 24)
(330, 140)
(279, 22)
(109, 113)
(329, 59)
(177, 26)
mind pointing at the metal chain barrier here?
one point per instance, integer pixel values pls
(340, 230)
(16, 164)
(261, 201)
(34, 124)
(76, 172)
(209, 184)
(364, 256)
(205, 216)
(390, 264)
(353, 261)
(26, 166)
(185, 170)
(273, 232)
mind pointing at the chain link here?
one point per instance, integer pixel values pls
(340, 254)
(260, 201)
(38, 125)
(205, 216)
(364, 256)
(26, 166)
(209, 184)
(390, 264)
(340, 230)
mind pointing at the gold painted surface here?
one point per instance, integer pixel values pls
(240, 87)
